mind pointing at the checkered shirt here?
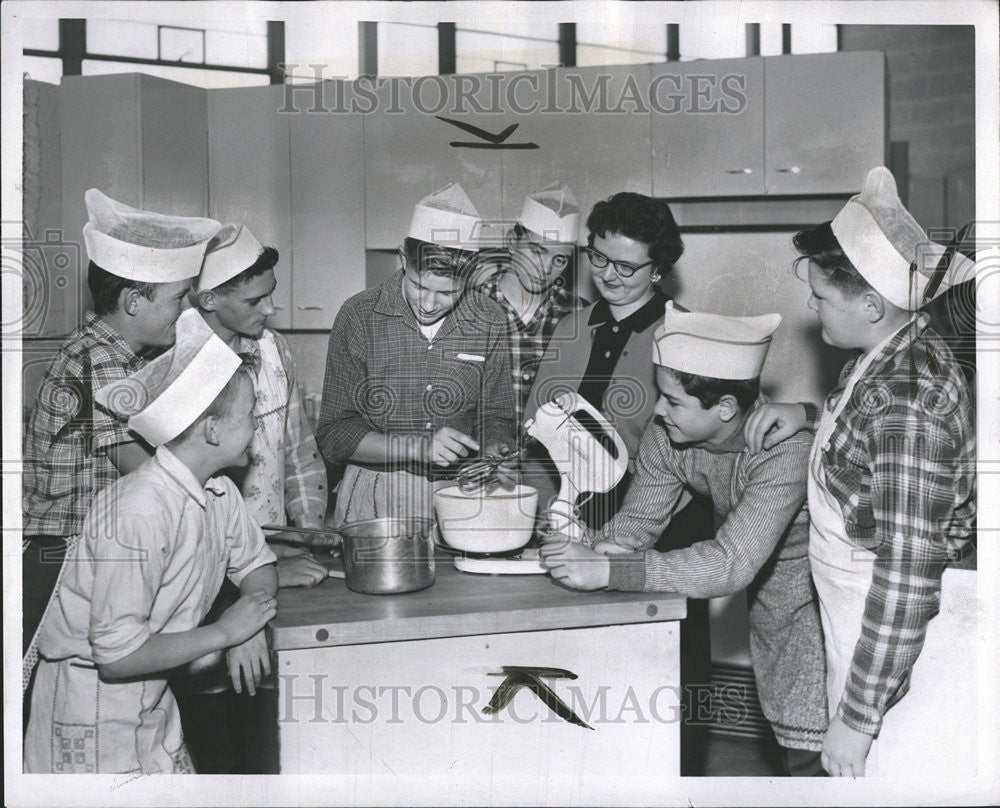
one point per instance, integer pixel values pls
(528, 340)
(383, 375)
(902, 464)
(67, 436)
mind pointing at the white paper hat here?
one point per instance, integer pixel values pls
(883, 241)
(447, 218)
(143, 246)
(233, 249)
(553, 213)
(166, 396)
(712, 344)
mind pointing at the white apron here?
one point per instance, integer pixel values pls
(71, 708)
(263, 484)
(931, 731)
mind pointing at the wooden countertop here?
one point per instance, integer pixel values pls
(458, 604)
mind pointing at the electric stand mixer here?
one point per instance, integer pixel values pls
(589, 455)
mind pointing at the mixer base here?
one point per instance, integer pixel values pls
(526, 563)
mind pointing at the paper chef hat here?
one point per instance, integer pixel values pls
(143, 246)
(166, 396)
(233, 249)
(447, 218)
(713, 345)
(552, 213)
(883, 240)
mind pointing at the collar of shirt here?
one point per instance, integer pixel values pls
(638, 320)
(392, 303)
(735, 442)
(892, 352)
(556, 296)
(184, 477)
(104, 331)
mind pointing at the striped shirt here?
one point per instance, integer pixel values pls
(902, 464)
(529, 339)
(758, 500)
(383, 375)
(67, 437)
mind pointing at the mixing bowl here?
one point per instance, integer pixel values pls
(480, 522)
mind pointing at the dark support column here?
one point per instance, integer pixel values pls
(368, 48)
(786, 37)
(446, 48)
(753, 39)
(673, 42)
(72, 45)
(567, 44)
(276, 51)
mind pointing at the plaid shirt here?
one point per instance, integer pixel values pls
(902, 465)
(383, 375)
(67, 438)
(528, 340)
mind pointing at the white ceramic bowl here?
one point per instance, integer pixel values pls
(486, 523)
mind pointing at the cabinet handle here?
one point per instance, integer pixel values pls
(739, 171)
(792, 170)
(309, 308)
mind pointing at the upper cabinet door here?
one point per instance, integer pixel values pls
(826, 121)
(411, 152)
(591, 127)
(249, 175)
(328, 215)
(708, 128)
(174, 147)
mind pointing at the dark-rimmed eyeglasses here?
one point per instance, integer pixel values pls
(557, 261)
(599, 261)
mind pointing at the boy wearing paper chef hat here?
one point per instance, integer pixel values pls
(154, 549)
(708, 375)
(417, 374)
(530, 283)
(891, 495)
(284, 483)
(141, 266)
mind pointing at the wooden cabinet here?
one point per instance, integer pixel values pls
(250, 176)
(825, 120)
(408, 151)
(782, 125)
(327, 216)
(592, 129)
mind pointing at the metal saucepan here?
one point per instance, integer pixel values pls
(383, 556)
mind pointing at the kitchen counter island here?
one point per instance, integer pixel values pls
(388, 692)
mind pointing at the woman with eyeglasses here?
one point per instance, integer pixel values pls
(530, 281)
(603, 352)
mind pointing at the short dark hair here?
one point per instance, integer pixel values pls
(265, 261)
(709, 391)
(643, 219)
(223, 402)
(106, 288)
(819, 245)
(423, 256)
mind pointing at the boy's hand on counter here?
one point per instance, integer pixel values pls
(246, 617)
(575, 565)
(249, 662)
(300, 570)
(845, 750)
(770, 424)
